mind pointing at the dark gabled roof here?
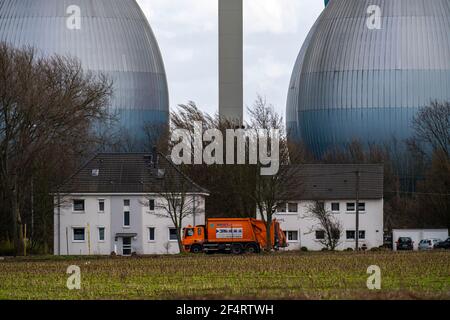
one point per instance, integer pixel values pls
(335, 182)
(129, 173)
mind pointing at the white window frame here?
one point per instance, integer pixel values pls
(148, 234)
(354, 239)
(285, 209)
(73, 234)
(365, 235)
(168, 234)
(98, 205)
(129, 219)
(292, 241)
(98, 234)
(154, 205)
(346, 207)
(78, 211)
(365, 207)
(291, 212)
(315, 235)
(350, 239)
(331, 207)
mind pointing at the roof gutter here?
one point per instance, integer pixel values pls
(126, 194)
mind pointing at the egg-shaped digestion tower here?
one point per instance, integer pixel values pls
(366, 68)
(108, 36)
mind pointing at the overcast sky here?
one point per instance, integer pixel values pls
(187, 33)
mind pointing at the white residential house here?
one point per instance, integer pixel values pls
(335, 187)
(114, 204)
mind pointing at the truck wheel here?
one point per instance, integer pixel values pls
(251, 248)
(196, 248)
(236, 249)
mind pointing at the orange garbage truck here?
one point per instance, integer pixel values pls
(235, 235)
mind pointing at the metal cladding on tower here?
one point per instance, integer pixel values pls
(365, 70)
(108, 36)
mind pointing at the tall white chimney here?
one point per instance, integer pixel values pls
(231, 60)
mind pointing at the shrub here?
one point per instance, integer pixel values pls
(304, 249)
(380, 248)
(6, 248)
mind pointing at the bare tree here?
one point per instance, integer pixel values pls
(326, 223)
(270, 190)
(432, 125)
(44, 103)
(229, 184)
(433, 199)
(176, 200)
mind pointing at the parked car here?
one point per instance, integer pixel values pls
(443, 244)
(428, 244)
(405, 243)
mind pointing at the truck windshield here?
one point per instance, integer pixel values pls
(189, 232)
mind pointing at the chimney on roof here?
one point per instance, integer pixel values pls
(155, 158)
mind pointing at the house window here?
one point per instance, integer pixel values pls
(78, 234)
(281, 207)
(78, 205)
(151, 234)
(126, 219)
(350, 234)
(126, 203)
(336, 233)
(173, 234)
(362, 206)
(101, 234)
(151, 205)
(293, 207)
(320, 234)
(101, 205)
(292, 236)
(350, 206)
(335, 207)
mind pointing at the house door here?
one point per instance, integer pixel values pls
(126, 246)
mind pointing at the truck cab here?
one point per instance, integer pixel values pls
(193, 238)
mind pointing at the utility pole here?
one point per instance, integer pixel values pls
(194, 209)
(32, 210)
(357, 212)
(59, 223)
